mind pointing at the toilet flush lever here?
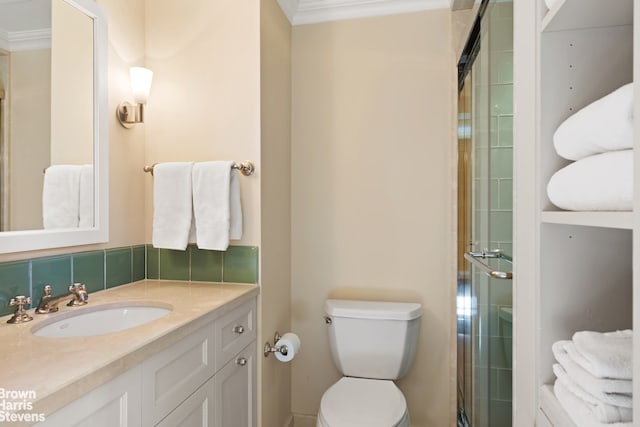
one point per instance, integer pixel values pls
(328, 320)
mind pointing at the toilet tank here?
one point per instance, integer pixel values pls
(373, 339)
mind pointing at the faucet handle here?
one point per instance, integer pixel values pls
(79, 293)
(20, 316)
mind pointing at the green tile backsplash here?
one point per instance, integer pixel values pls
(54, 271)
(88, 268)
(104, 269)
(14, 281)
(237, 264)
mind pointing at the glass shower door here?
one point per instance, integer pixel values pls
(485, 141)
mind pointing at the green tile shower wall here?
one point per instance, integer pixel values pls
(104, 269)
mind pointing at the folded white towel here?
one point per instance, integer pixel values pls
(606, 355)
(86, 197)
(603, 182)
(216, 204)
(604, 125)
(60, 196)
(604, 412)
(172, 206)
(579, 411)
(615, 392)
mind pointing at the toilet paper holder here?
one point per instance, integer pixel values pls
(269, 348)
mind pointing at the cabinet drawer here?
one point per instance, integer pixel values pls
(234, 331)
(169, 377)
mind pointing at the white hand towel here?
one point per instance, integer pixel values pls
(86, 197)
(604, 412)
(172, 205)
(607, 355)
(615, 392)
(578, 410)
(603, 182)
(216, 204)
(60, 196)
(604, 125)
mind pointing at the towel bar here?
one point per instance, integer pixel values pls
(245, 168)
(475, 257)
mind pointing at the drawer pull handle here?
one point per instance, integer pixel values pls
(241, 361)
(238, 329)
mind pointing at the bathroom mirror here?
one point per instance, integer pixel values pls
(53, 110)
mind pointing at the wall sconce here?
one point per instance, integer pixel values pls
(129, 114)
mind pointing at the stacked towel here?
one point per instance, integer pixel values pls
(593, 377)
(599, 138)
(196, 203)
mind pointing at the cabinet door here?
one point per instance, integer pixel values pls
(116, 403)
(235, 394)
(170, 376)
(196, 411)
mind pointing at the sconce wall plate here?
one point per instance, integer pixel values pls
(129, 114)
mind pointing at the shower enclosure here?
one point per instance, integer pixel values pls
(485, 146)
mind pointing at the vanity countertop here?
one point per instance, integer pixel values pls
(59, 370)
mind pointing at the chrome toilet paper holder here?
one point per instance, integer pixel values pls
(268, 348)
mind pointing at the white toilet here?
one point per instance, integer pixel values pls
(372, 344)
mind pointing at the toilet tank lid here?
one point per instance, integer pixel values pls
(373, 309)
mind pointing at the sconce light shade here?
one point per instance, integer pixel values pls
(129, 114)
(141, 84)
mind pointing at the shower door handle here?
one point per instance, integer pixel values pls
(476, 257)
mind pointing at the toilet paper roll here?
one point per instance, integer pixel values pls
(291, 342)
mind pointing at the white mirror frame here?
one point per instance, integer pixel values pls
(19, 241)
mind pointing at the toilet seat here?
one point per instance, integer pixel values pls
(353, 402)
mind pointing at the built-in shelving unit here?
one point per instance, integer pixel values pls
(583, 269)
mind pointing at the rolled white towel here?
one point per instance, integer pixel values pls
(608, 354)
(578, 410)
(604, 412)
(604, 125)
(615, 392)
(603, 182)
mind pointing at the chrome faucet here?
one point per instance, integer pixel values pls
(49, 303)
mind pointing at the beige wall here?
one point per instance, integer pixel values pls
(275, 194)
(71, 85)
(204, 102)
(371, 191)
(29, 134)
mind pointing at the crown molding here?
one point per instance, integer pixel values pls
(301, 12)
(25, 40)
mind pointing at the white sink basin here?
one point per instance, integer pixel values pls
(99, 320)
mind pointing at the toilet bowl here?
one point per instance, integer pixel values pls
(372, 343)
(362, 402)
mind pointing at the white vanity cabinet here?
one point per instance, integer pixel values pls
(116, 403)
(205, 379)
(573, 271)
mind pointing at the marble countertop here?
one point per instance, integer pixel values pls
(59, 370)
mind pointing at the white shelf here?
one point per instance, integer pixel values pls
(579, 14)
(552, 408)
(622, 220)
